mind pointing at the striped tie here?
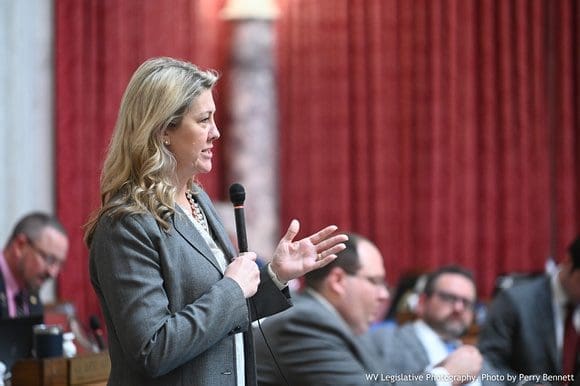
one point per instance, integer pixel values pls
(20, 300)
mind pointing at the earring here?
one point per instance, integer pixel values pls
(166, 142)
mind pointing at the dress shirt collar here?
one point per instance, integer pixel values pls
(559, 294)
(433, 344)
(11, 286)
(561, 300)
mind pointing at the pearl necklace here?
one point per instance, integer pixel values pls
(196, 211)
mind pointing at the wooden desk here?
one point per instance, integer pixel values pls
(84, 370)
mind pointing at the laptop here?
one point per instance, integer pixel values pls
(16, 338)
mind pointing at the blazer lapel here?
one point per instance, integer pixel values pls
(220, 233)
(190, 234)
(3, 299)
(408, 334)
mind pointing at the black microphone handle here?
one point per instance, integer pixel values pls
(97, 331)
(237, 196)
(241, 228)
(99, 338)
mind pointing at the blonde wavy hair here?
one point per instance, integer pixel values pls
(138, 173)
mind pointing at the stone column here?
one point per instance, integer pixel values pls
(252, 139)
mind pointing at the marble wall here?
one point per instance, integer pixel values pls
(252, 140)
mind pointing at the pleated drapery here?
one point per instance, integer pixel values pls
(445, 130)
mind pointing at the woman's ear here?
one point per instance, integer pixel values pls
(165, 138)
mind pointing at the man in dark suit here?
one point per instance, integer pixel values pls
(432, 343)
(525, 330)
(34, 253)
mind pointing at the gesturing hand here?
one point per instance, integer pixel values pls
(295, 258)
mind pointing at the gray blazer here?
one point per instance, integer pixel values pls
(402, 352)
(171, 315)
(313, 346)
(519, 334)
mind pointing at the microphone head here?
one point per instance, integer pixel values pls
(94, 322)
(237, 194)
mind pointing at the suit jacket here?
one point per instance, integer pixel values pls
(519, 334)
(313, 346)
(35, 307)
(170, 313)
(402, 352)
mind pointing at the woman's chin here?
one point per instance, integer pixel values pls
(202, 168)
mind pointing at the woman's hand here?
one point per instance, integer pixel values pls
(244, 271)
(293, 259)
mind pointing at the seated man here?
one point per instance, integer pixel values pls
(320, 340)
(33, 254)
(316, 342)
(432, 343)
(532, 328)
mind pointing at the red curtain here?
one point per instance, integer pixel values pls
(445, 130)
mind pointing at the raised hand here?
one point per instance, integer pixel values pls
(293, 259)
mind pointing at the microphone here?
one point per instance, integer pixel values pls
(237, 197)
(97, 331)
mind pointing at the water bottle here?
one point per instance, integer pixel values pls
(69, 349)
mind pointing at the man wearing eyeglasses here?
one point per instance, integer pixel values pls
(34, 253)
(316, 342)
(432, 343)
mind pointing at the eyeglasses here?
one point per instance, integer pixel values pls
(453, 299)
(50, 260)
